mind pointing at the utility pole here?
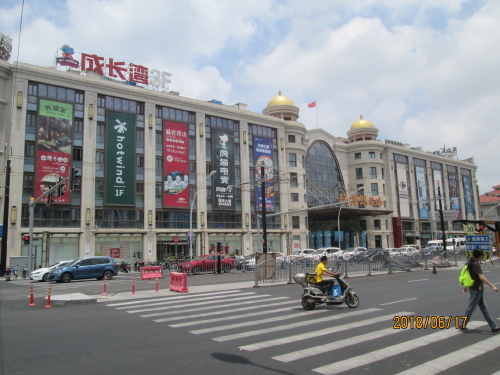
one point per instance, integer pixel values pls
(263, 195)
(3, 256)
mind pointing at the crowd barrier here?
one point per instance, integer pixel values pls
(178, 282)
(148, 273)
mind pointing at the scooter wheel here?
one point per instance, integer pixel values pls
(307, 303)
(352, 300)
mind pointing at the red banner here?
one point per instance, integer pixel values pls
(176, 164)
(50, 167)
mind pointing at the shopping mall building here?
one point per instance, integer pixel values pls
(139, 160)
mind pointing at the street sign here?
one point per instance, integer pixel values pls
(481, 242)
(176, 239)
(469, 229)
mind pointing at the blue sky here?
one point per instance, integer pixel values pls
(424, 72)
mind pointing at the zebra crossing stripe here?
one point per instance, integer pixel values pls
(314, 334)
(226, 318)
(300, 354)
(204, 314)
(172, 301)
(191, 304)
(172, 298)
(457, 357)
(298, 324)
(393, 350)
(256, 322)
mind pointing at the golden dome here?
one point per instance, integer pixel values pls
(280, 100)
(361, 124)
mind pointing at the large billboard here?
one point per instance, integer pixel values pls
(469, 198)
(404, 202)
(54, 148)
(263, 155)
(423, 200)
(223, 159)
(454, 194)
(438, 183)
(120, 159)
(175, 164)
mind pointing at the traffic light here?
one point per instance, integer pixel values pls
(219, 247)
(76, 175)
(481, 228)
(59, 191)
(26, 239)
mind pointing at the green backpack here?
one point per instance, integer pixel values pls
(465, 279)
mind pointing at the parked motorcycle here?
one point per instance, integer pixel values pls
(315, 295)
(7, 274)
(24, 271)
(125, 267)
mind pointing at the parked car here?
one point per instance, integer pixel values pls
(328, 251)
(207, 263)
(408, 250)
(353, 252)
(376, 255)
(42, 274)
(307, 256)
(85, 268)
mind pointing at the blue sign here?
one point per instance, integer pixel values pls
(328, 238)
(474, 242)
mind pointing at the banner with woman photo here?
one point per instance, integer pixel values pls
(263, 156)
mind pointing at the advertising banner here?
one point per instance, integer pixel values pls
(454, 194)
(404, 202)
(469, 199)
(423, 201)
(54, 148)
(223, 159)
(438, 182)
(319, 240)
(312, 240)
(175, 164)
(120, 159)
(263, 154)
(328, 238)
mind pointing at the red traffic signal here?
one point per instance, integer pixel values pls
(26, 239)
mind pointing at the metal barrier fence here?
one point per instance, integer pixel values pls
(271, 271)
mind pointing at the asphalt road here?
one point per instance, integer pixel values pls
(251, 330)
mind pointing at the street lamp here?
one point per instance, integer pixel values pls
(482, 218)
(340, 208)
(191, 236)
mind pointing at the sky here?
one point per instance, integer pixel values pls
(424, 72)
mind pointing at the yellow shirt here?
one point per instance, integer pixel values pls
(320, 268)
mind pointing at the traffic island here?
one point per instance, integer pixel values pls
(71, 299)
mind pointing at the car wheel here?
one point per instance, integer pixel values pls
(108, 275)
(196, 269)
(352, 300)
(45, 277)
(307, 303)
(66, 278)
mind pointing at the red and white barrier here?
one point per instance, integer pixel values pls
(178, 282)
(151, 273)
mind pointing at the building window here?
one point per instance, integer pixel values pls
(359, 173)
(295, 197)
(382, 172)
(357, 155)
(373, 172)
(371, 155)
(376, 224)
(295, 222)
(291, 138)
(362, 223)
(374, 190)
(292, 158)
(293, 180)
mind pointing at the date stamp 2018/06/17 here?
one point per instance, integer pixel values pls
(434, 322)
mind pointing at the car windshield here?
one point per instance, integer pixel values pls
(321, 251)
(197, 258)
(60, 264)
(72, 262)
(296, 252)
(351, 249)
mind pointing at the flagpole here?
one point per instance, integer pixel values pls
(317, 124)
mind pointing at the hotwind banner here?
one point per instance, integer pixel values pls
(423, 201)
(175, 164)
(263, 154)
(404, 202)
(469, 199)
(120, 159)
(54, 151)
(223, 158)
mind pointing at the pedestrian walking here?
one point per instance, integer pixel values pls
(477, 292)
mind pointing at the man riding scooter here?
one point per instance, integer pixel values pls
(320, 271)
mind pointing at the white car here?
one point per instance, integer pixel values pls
(352, 252)
(42, 274)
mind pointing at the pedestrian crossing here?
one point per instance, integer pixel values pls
(327, 340)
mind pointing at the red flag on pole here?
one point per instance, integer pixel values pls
(312, 105)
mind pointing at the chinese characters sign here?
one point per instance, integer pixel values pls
(55, 128)
(176, 164)
(5, 47)
(120, 159)
(223, 159)
(362, 200)
(263, 155)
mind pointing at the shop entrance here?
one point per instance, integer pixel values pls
(165, 250)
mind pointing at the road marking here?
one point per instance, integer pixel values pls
(190, 304)
(390, 351)
(300, 354)
(226, 318)
(413, 281)
(172, 298)
(402, 300)
(453, 359)
(212, 308)
(314, 334)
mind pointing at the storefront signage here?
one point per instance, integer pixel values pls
(263, 155)
(175, 164)
(120, 159)
(131, 73)
(5, 47)
(446, 151)
(223, 158)
(362, 200)
(54, 151)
